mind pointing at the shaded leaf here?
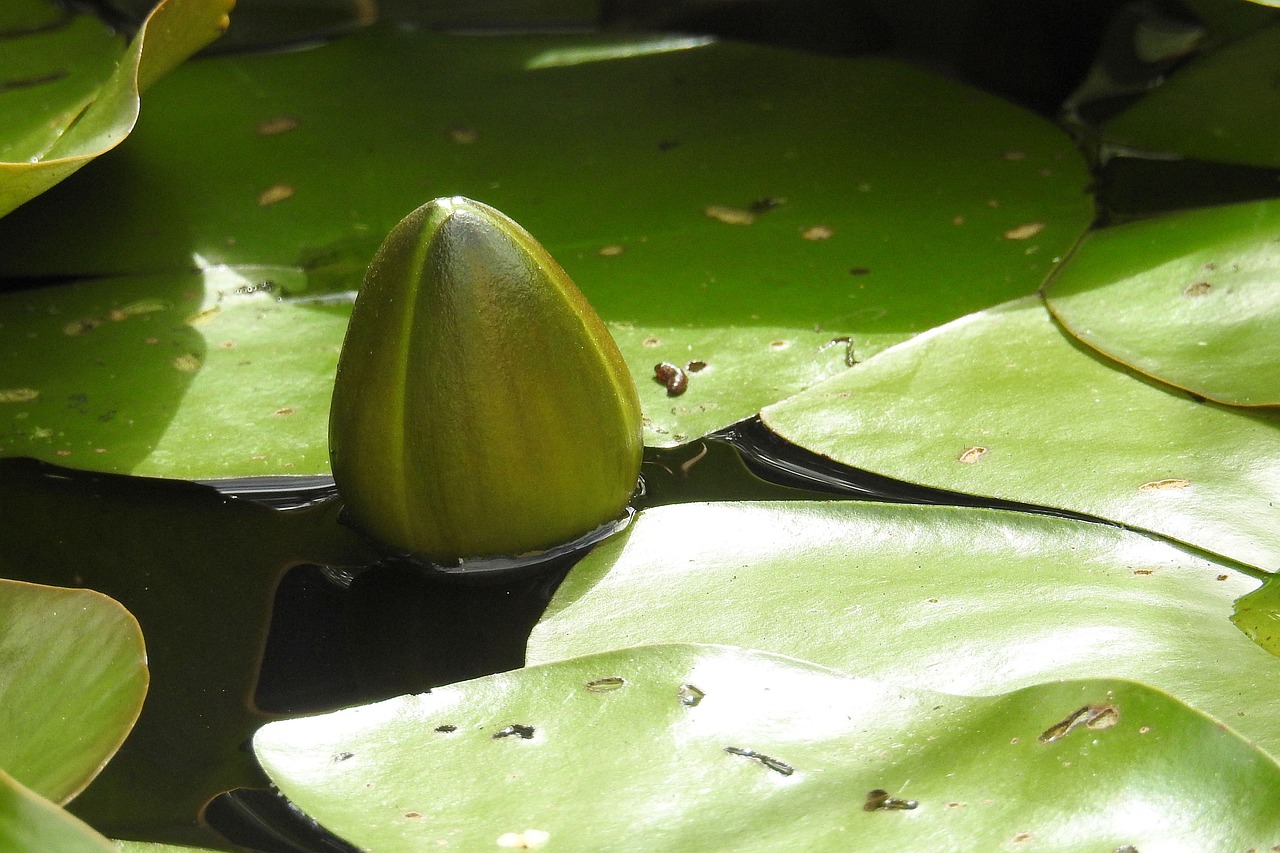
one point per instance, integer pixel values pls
(1189, 299)
(967, 601)
(73, 673)
(78, 87)
(1004, 404)
(1222, 106)
(617, 752)
(31, 824)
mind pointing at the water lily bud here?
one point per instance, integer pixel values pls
(481, 407)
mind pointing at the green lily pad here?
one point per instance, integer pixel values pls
(72, 680)
(1004, 404)
(1189, 299)
(968, 601)
(31, 824)
(610, 150)
(1223, 106)
(178, 376)
(1258, 615)
(716, 748)
(72, 89)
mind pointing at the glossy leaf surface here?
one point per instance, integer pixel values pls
(611, 150)
(1189, 299)
(73, 673)
(31, 824)
(960, 600)
(1223, 106)
(713, 748)
(1004, 404)
(73, 89)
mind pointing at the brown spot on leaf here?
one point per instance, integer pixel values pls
(650, 342)
(695, 366)
(818, 232)
(188, 362)
(18, 395)
(1200, 288)
(972, 455)
(275, 194)
(1164, 485)
(611, 251)
(1025, 231)
(1144, 571)
(287, 410)
(277, 125)
(1090, 716)
(463, 134)
(730, 215)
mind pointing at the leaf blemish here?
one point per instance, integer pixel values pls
(879, 800)
(767, 760)
(277, 125)
(343, 756)
(1200, 288)
(445, 729)
(1024, 232)
(606, 685)
(972, 455)
(1090, 716)
(696, 366)
(515, 730)
(689, 695)
(730, 215)
(1164, 485)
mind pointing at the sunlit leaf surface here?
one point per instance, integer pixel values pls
(714, 748)
(716, 202)
(1190, 299)
(960, 600)
(1005, 404)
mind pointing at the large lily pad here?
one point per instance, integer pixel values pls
(714, 748)
(968, 601)
(31, 824)
(1190, 299)
(1004, 404)
(71, 88)
(624, 156)
(73, 672)
(1223, 106)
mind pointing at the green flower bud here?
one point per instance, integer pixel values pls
(481, 407)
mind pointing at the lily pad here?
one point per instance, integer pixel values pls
(687, 747)
(968, 601)
(72, 89)
(178, 376)
(72, 679)
(1258, 615)
(1189, 299)
(31, 824)
(715, 196)
(1223, 106)
(1004, 404)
